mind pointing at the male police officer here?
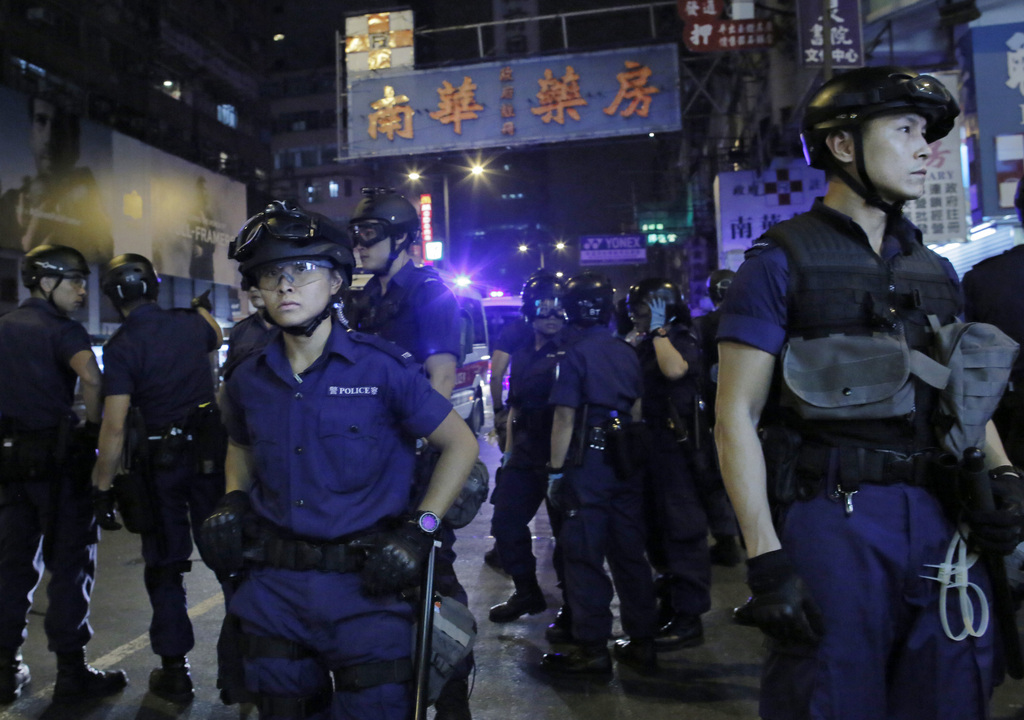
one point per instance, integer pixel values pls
(524, 483)
(597, 389)
(45, 507)
(250, 334)
(158, 363)
(414, 309)
(677, 524)
(323, 425)
(855, 630)
(992, 295)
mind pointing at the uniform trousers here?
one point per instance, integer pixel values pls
(516, 501)
(327, 614)
(25, 514)
(608, 525)
(184, 499)
(678, 527)
(884, 653)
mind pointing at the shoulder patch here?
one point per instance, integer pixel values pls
(386, 346)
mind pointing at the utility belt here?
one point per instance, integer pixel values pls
(627, 446)
(199, 438)
(291, 554)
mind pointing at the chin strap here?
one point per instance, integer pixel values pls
(310, 327)
(865, 189)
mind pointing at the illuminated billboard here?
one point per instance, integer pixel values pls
(556, 98)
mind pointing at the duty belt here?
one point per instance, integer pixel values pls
(870, 466)
(302, 555)
(597, 438)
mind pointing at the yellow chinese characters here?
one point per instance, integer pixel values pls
(559, 96)
(392, 116)
(633, 87)
(457, 104)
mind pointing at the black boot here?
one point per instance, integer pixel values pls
(172, 681)
(683, 631)
(637, 653)
(14, 676)
(584, 659)
(526, 600)
(78, 681)
(453, 702)
(560, 631)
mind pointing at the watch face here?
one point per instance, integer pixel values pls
(428, 522)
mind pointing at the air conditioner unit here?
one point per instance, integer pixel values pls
(41, 15)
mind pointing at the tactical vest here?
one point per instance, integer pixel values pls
(838, 284)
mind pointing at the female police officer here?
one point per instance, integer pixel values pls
(323, 425)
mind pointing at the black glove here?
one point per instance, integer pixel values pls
(998, 531)
(556, 488)
(221, 536)
(105, 509)
(780, 604)
(203, 301)
(395, 559)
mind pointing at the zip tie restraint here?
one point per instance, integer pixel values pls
(953, 575)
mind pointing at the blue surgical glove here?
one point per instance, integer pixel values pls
(657, 307)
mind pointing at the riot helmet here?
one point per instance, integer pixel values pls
(848, 100)
(56, 261)
(659, 289)
(589, 299)
(283, 231)
(538, 287)
(128, 278)
(719, 282)
(381, 215)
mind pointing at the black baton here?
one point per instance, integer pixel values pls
(1002, 602)
(426, 631)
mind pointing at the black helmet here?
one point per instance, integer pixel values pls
(390, 212)
(849, 99)
(718, 284)
(51, 261)
(541, 286)
(284, 231)
(129, 277)
(661, 289)
(589, 299)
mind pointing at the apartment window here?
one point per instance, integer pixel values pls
(226, 114)
(332, 188)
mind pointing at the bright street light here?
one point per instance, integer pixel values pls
(414, 175)
(477, 169)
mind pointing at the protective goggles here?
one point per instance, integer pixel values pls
(368, 233)
(296, 228)
(920, 90)
(544, 309)
(295, 273)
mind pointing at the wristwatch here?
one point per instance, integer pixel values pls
(428, 522)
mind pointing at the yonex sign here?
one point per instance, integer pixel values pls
(612, 250)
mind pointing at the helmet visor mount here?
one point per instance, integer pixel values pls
(296, 228)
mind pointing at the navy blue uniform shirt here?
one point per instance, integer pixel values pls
(37, 343)
(755, 311)
(992, 295)
(659, 391)
(514, 335)
(248, 337)
(161, 358)
(598, 370)
(421, 314)
(334, 447)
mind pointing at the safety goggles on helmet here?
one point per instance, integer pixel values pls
(922, 92)
(296, 273)
(297, 228)
(367, 233)
(547, 308)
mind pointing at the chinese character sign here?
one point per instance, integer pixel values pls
(747, 203)
(379, 40)
(845, 32)
(551, 99)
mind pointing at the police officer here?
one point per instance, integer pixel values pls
(46, 515)
(991, 296)
(414, 309)
(322, 427)
(158, 364)
(597, 391)
(524, 480)
(721, 518)
(854, 629)
(250, 334)
(677, 524)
